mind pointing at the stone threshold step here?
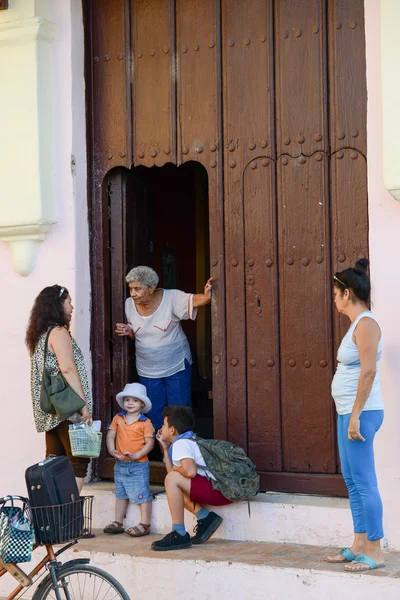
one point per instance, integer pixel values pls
(282, 556)
(269, 517)
(222, 570)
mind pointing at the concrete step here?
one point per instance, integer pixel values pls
(269, 517)
(222, 570)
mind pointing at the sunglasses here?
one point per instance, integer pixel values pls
(62, 290)
(339, 281)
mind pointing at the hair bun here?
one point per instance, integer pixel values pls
(361, 265)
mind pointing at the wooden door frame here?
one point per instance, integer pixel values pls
(100, 336)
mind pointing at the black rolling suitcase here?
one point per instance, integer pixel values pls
(57, 509)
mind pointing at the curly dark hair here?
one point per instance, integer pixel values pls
(47, 310)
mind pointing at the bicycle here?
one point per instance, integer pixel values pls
(73, 580)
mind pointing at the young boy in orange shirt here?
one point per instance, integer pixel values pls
(130, 438)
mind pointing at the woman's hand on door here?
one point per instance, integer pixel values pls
(208, 289)
(203, 299)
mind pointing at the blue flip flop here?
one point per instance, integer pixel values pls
(369, 562)
(348, 556)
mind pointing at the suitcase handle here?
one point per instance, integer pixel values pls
(48, 459)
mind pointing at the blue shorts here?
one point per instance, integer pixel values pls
(132, 481)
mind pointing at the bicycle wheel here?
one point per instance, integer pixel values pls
(82, 582)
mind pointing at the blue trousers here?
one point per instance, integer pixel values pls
(167, 391)
(358, 469)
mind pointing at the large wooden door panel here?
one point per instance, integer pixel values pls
(247, 49)
(305, 315)
(301, 77)
(198, 42)
(262, 316)
(110, 135)
(347, 86)
(110, 98)
(154, 90)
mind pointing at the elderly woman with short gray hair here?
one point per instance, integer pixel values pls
(163, 357)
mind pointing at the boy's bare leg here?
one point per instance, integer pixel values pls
(145, 512)
(176, 486)
(120, 509)
(191, 506)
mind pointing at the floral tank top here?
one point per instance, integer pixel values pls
(44, 421)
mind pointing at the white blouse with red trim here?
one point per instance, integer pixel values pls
(161, 345)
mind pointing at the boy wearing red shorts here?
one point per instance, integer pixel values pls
(188, 482)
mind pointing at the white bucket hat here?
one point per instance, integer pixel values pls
(135, 390)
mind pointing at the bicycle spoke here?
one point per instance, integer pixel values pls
(79, 585)
(97, 596)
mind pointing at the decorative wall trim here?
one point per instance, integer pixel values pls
(27, 144)
(16, 33)
(24, 240)
(390, 47)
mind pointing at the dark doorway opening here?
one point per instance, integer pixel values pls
(159, 217)
(172, 220)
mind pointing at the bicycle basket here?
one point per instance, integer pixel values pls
(63, 522)
(85, 442)
(16, 531)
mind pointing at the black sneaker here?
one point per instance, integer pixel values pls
(204, 528)
(172, 541)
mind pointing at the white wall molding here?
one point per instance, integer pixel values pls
(24, 240)
(27, 144)
(390, 45)
(24, 31)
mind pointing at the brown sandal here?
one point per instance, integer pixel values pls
(139, 530)
(114, 527)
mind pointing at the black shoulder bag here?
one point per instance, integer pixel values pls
(56, 396)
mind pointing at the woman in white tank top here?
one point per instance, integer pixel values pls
(357, 395)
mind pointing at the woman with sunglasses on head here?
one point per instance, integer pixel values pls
(52, 310)
(357, 395)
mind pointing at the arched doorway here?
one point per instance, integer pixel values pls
(157, 217)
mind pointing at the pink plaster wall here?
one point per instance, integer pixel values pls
(384, 223)
(59, 260)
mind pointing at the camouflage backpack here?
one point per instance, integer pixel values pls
(235, 474)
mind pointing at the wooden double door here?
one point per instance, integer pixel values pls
(269, 97)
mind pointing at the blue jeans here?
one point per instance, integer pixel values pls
(358, 469)
(167, 391)
(132, 481)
